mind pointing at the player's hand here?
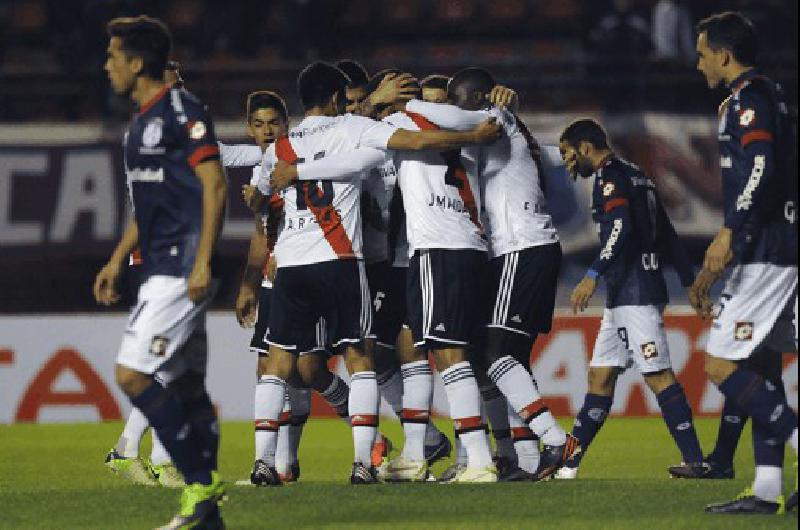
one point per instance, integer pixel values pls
(394, 88)
(698, 294)
(487, 131)
(246, 306)
(272, 268)
(199, 281)
(503, 97)
(253, 198)
(105, 284)
(582, 294)
(282, 176)
(719, 252)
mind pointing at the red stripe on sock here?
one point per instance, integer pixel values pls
(531, 411)
(415, 415)
(267, 425)
(364, 420)
(470, 423)
(521, 433)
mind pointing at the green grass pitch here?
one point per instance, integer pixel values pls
(52, 476)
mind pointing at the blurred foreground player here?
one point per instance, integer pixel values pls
(635, 235)
(178, 191)
(756, 251)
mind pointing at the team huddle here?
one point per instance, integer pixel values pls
(400, 221)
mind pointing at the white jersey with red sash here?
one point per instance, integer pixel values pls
(322, 219)
(440, 196)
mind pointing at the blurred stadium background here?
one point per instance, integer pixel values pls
(62, 202)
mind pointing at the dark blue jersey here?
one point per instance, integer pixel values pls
(759, 172)
(635, 233)
(165, 141)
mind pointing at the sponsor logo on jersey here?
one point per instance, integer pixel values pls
(745, 200)
(608, 250)
(746, 117)
(197, 130)
(725, 162)
(608, 189)
(743, 331)
(152, 132)
(649, 350)
(145, 175)
(158, 346)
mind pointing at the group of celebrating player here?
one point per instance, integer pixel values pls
(399, 220)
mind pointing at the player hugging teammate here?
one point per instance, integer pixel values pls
(398, 221)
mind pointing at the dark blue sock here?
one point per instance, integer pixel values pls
(205, 428)
(768, 450)
(678, 417)
(589, 420)
(731, 424)
(167, 417)
(762, 400)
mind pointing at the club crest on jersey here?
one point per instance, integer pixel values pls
(158, 346)
(743, 331)
(152, 132)
(746, 117)
(197, 130)
(649, 350)
(608, 189)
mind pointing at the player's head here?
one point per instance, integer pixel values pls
(377, 79)
(172, 74)
(726, 42)
(469, 87)
(138, 48)
(434, 88)
(267, 119)
(322, 85)
(580, 144)
(356, 91)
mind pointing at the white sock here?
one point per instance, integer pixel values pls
(301, 407)
(270, 398)
(465, 409)
(792, 441)
(517, 385)
(283, 450)
(525, 443)
(336, 395)
(461, 452)
(417, 379)
(497, 411)
(391, 385)
(768, 483)
(158, 453)
(132, 434)
(363, 405)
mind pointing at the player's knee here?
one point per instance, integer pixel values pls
(358, 360)
(602, 381)
(131, 381)
(313, 372)
(280, 363)
(717, 369)
(660, 381)
(447, 357)
(261, 367)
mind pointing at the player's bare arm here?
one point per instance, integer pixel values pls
(105, 284)
(484, 133)
(719, 252)
(215, 190)
(582, 294)
(247, 299)
(393, 88)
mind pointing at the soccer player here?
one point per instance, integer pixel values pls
(356, 89)
(178, 191)
(525, 256)
(635, 237)
(318, 251)
(756, 251)
(434, 88)
(452, 235)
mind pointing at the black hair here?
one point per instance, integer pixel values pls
(437, 81)
(318, 82)
(734, 32)
(585, 130)
(354, 71)
(376, 79)
(472, 80)
(144, 37)
(265, 99)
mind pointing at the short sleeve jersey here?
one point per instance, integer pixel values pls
(633, 275)
(165, 141)
(440, 196)
(322, 219)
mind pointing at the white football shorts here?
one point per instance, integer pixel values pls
(757, 308)
(166, 331)
(632, 333)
